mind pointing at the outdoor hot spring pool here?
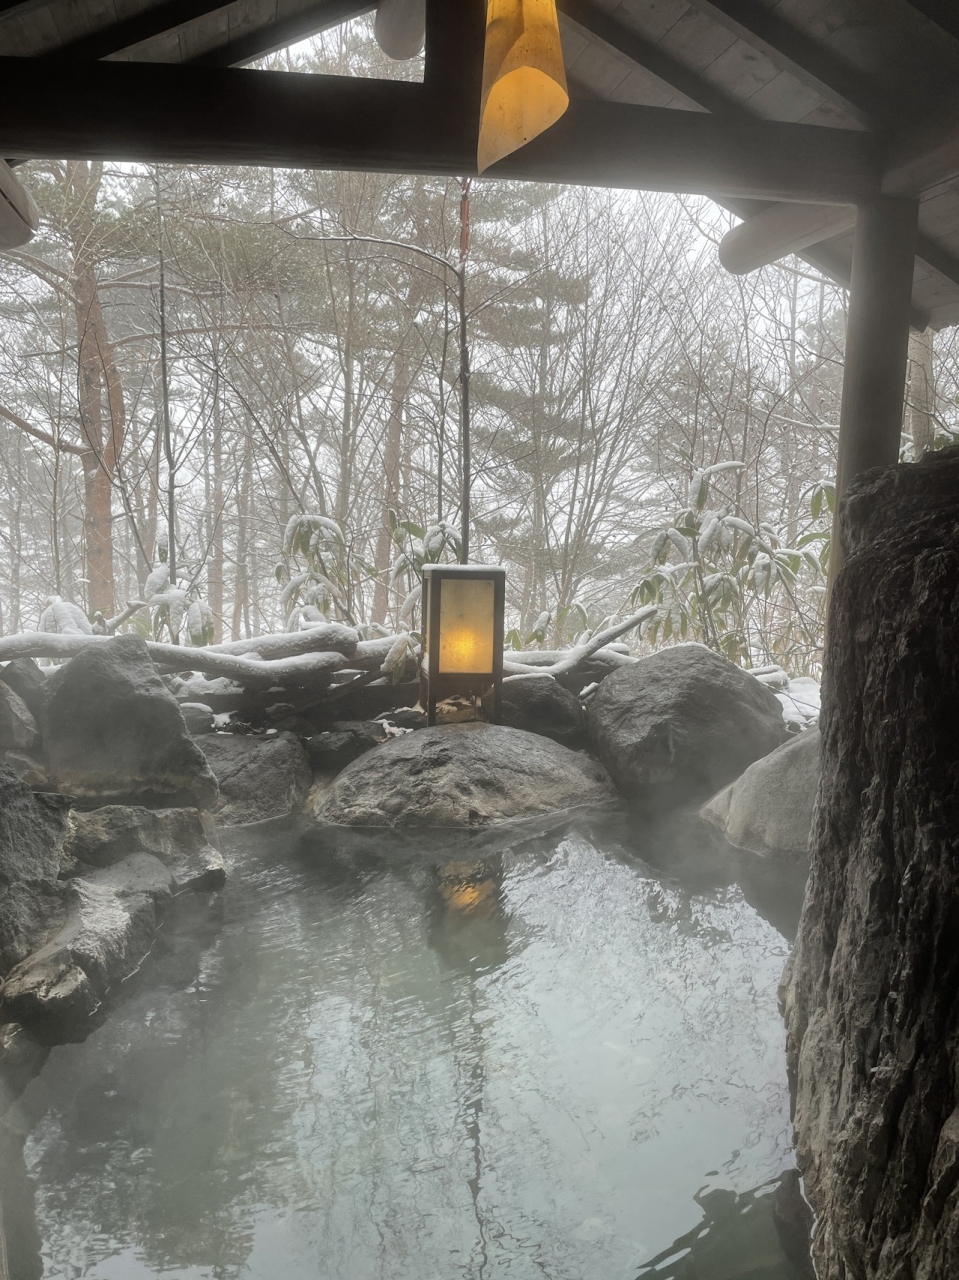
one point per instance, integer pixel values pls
(546, 1061)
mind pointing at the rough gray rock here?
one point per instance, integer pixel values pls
(259, 777)
(540, 704)
(27, 768)
(462, 776)
(56, 993)
(871, 992)
(675, 727)
(768, 810)
(18, 729)
(344, 742)
(182, 839)
(32, 901)
(114, 734)
(26, 680)
(198, 717)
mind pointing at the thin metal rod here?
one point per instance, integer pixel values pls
(465, 453)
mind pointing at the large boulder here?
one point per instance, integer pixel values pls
(18, 729)
(871, 991)
(184, 840)
(260, 777)
(114, 734)
(465, 775)
(540, 704)
(27, 681)
(768, 811)
(32, 833)
(675, 727)
(57, 992)
(343, 742)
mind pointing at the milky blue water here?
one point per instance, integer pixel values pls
(351, 1066)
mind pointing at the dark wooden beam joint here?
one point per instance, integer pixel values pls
(176, 114)
(455, 40)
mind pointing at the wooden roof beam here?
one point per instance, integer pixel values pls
(780, 230)
(170, 14)
(673, 73)
(923, 158)
(794, 51)
(188, 114)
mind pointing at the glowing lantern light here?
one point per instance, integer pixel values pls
(463, 606)
(524, 80)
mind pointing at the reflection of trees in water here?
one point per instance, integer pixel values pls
(404, 1062)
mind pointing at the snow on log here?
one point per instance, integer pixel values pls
(328, 636)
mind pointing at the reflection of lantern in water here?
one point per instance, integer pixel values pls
(463, 607)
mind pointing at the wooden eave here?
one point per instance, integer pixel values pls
(748, 101)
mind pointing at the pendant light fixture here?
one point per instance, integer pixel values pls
(524, 80)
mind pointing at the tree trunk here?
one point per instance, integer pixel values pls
(391, 484)
(99, 388)
(921, 396)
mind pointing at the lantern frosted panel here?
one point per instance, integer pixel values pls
(466, 626)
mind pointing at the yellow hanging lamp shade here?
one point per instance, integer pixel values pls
(524, 80)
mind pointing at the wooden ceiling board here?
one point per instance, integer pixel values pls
(163, 48)
(784, 98)
(600, 68)
(651, 18)
(23, 36)
(696, 41)
(741, 70)
(645, 90)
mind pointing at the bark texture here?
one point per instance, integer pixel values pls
(871, 992)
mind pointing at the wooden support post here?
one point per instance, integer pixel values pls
(877, 339)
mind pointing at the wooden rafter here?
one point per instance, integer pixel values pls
(673, 73)
(944, 13)
(285, 31)
(803, 57)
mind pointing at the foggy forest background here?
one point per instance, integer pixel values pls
(646, 427)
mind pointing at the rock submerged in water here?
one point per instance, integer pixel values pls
(677, 726)
(465, 775)
(768, 810)
(114, 734)
(259, 777)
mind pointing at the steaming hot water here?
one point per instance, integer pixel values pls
(354, 1066)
